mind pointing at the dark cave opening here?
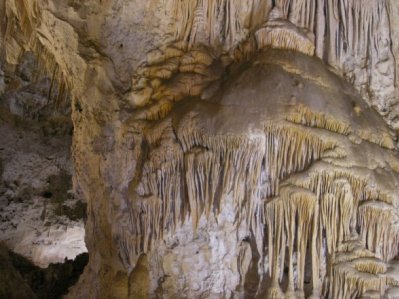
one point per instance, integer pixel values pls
(42, 215)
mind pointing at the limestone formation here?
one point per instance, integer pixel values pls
(40, 215)
(301, 189)
(228, 148)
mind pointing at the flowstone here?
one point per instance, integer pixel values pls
(282, 182)
(228, 148)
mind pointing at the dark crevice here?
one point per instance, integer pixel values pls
(29, 281)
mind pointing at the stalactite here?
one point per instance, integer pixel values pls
(297, 207)
(287, 211)
(285, 152)
(288, 182)
(338, 196)
(337, 208)
(273, 213)
(281, 34)
(21, 27)
(346, 37)
(208, 21)
(305, 116)
(379, 229)
(181, 181)
(288, 186)
(357, 278)
(349, 35)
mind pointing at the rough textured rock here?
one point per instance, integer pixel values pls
(12, 284)
(220, 150)
(273, 182)
(19, 278)
(40, 216)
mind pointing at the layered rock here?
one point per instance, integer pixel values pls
(216, 166)
(277, 171)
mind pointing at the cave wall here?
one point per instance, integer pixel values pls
(40, 215)
(127, 64)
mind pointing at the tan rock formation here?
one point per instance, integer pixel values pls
(221, 152)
